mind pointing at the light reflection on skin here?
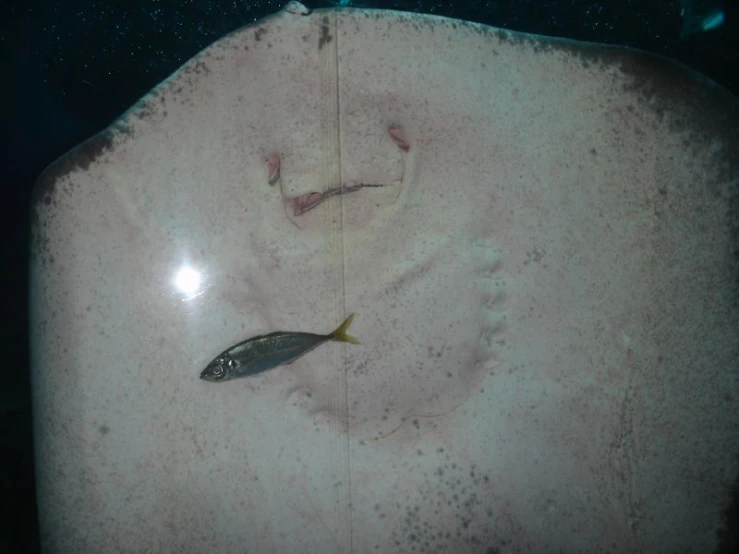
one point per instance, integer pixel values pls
(188, 282)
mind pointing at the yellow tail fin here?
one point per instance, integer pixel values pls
(340, 333)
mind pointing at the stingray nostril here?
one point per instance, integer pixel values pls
(396, 132)
(273, 168)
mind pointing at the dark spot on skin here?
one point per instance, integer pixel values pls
(325, 37)
(535, 255)
(259, 33)
(201, 68)
(104, 429)
(492, 550)
(144, 110)
(122, 128)
(81, 157)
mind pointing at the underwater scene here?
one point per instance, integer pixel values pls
(372, 277)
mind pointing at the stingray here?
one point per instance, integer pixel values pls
(538, 238)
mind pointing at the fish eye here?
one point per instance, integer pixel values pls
(226, 362)
(218, 368)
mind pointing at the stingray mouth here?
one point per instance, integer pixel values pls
(303, 203)
(306, 202)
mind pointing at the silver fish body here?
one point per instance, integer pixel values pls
(263, 352)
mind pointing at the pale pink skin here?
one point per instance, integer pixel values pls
(542, 290)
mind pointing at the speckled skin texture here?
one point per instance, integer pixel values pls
(545, 290)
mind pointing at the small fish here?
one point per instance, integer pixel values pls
(264, 352)
(700, 18)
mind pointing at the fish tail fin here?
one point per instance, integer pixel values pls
(340, 333)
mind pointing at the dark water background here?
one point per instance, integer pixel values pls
(70, 67)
